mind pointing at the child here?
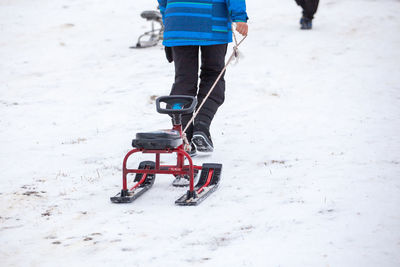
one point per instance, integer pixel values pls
(203, 25)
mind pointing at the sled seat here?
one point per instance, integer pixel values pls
(151, 15)
(163, 139)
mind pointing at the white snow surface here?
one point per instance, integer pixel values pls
(309, 137)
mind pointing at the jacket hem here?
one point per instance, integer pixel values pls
(187, 43)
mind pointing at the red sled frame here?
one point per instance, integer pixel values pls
(145, 175)
(207, 184)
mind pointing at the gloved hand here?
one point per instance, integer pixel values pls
(168, 54)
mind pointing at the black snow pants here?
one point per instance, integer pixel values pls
(186, 60)
(309, 7)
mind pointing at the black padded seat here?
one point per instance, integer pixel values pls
(162, 139)
(151, 15)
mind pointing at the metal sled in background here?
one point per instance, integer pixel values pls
(152, 37)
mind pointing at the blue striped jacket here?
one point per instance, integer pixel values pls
(200, 22)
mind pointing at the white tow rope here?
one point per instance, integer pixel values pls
(235, 54)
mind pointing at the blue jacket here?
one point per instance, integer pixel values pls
(200, 22)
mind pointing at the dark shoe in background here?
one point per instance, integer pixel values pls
(301, 20)
(306, 24)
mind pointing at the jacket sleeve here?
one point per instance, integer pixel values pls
(162, 5)
(237, 10)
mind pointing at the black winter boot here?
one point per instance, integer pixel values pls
(306, 23)
(202, 138)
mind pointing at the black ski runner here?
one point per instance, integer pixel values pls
(143, 183)
(207, 184)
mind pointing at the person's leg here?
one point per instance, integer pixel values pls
(310, 8)
(186, 60)
(212, 63)
(300, 3)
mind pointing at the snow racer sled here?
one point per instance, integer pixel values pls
(151, 38)
(167, 142)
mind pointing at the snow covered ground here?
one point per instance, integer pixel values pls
(309, 137)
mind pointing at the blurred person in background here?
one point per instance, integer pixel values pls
(309, 9)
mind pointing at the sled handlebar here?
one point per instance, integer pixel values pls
(176, 104)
